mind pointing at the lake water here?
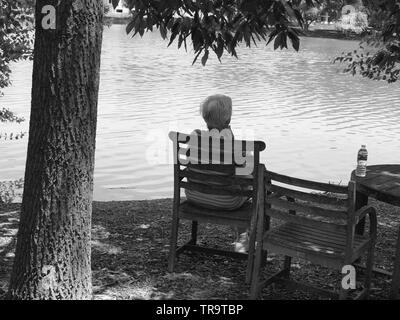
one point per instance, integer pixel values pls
(312, 117)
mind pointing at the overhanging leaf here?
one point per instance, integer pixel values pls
(115, 3)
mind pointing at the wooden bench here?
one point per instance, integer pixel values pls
(228, 183)
(318, 223)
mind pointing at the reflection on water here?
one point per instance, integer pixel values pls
(312, 117)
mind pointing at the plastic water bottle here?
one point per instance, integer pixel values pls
(362, 157)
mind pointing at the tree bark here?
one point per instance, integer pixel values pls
(52, 259)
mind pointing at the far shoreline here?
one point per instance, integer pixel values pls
(331, 34)
(313, 33)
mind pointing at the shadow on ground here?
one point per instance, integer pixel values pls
(130, 243)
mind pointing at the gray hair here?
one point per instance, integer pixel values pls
(216, 111)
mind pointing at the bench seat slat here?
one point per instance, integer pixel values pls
(318, 233)
(334, 239)
(285, 236)
(240, 217)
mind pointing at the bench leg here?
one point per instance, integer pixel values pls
(361, 200)
(255, 279)
(260, 255)
(267, 222)
(250, 260)
(173, 243)
(286, 266)
(396, 271)
(368, 271)
(193, 239)
(343, 294)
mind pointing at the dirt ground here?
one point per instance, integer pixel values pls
(130, 249)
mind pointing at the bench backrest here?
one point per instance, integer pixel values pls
(214, 165)
(315, 203)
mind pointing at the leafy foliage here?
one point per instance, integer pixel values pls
(310, 14)
(378, 56)
(10, 190)
(16, 38)
(16, 41)
(218, 25)
(333, 8)
(7, 115)
(356, 22)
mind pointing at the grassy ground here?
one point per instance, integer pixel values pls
(130, 248)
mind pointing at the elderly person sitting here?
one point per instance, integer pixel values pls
(216, 111)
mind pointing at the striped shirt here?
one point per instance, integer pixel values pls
(213, 201)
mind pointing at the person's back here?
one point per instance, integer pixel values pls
(216, 111)
(215, 201)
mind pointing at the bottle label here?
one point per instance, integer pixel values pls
(362, 163)
(361, 170)
(362, 156)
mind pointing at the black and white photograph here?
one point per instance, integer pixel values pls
(200, 155)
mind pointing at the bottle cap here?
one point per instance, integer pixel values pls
(363, 146)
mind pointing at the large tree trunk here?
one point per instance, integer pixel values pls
(52, 259)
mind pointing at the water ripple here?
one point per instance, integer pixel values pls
(312, 116)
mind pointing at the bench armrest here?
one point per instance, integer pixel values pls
(371, 212)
